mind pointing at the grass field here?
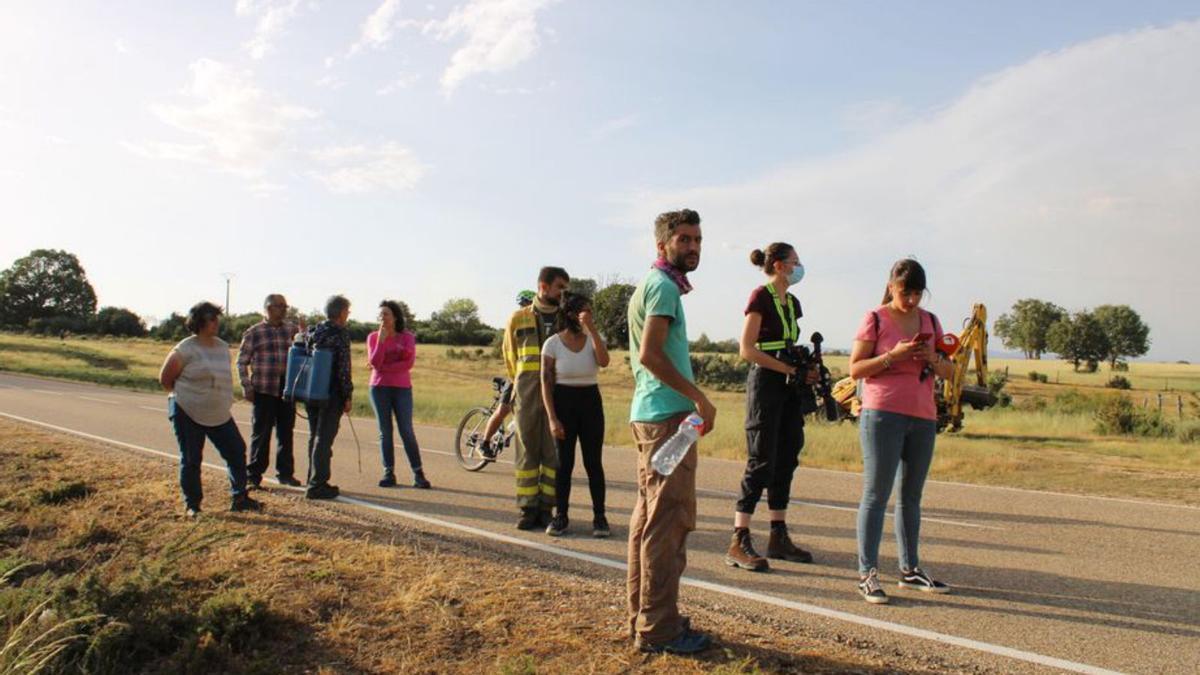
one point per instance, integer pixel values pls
(1046, 449)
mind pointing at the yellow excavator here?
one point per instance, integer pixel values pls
(952, 392)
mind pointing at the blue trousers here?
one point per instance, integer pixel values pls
(897, 450)
(229, 443)
(395, 402)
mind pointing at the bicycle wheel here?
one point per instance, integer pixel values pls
(467, 437)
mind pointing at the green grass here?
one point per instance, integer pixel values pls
(1045, 449)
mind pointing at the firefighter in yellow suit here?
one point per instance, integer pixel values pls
(537, 458)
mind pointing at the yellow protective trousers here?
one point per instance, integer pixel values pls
(537, 457)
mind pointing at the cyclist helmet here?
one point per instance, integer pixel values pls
(525, 298)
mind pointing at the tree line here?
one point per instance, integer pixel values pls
(47, 292)
(1086, 338)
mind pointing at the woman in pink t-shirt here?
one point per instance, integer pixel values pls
(898, 425)
(391, 351)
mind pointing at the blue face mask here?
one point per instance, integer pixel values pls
(796, 275)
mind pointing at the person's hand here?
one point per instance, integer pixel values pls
(927, 353)
(907, 350)
(585, 320)
(812, 375)
(708, 412)
(346, 407)
(557, 429)
(248, 395)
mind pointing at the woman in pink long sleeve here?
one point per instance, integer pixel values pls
(391, 351)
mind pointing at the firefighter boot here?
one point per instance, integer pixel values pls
(741, 552)
(780, 547)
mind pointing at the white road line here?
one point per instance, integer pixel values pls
(153, 409)
(893, 627)
(99, 400)
(47, 391)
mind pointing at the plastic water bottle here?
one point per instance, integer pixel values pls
(670, 454)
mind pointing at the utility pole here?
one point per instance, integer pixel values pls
(228, 277)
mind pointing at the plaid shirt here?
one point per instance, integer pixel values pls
(262, 358)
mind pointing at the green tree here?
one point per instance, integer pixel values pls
(46, 283)
(1127, 334)
(118, 321)
(1079, 338)
(583, 287)
(172, 328)
(458, 323)
(610, 307)
(1027, 328)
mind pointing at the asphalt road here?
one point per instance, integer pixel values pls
(1040, 580)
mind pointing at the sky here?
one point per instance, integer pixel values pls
(427, 150)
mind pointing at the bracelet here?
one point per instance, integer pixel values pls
(887, 360)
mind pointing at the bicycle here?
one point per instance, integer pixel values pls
(471, 428)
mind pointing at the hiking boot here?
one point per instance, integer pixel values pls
(558, 525)
(529, 519)
(780, 546)
(288, 481)
(322, 491)
(254, 482)
(871, 590)
(245, 503)
(742, 554)
(688, 642)
(419, 480)
(388, 480)
(600, 528)
(917, 578)
(544, 517)
(192, 512)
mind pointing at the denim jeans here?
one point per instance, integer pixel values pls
(897, 449)
(229, 443)
(271, 412)
(323, 422)
(398, 402)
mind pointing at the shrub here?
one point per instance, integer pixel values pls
(1120, 366)
(1033, 375)
(1189, 432)
(996, 381)
(63, 493)
(720, 372)
(1118, 416)
(1118, 382)
(1073, 402)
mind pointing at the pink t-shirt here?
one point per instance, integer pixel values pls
(898, 389)
(392, 362)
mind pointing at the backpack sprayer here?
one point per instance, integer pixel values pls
(309, 371)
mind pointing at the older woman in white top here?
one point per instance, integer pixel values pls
(571, 359)
(199, 378)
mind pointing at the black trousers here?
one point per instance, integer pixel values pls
(271, 412)
(323, 422)
(774, 438)
(581, 412)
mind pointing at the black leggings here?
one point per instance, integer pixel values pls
(774, 437)
(581, 413)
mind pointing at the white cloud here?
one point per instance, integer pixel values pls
(1074, 176)
(403, 82)
(238, 127)
(273, 17)
(615, 125)
(500, 34)
(378, 28)
(357, 168)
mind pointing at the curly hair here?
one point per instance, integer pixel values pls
(569, 310)
(396, 312)
(199, 316)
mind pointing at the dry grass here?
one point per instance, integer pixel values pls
(319, 588)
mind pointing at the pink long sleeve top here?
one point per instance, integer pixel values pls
(392, 361)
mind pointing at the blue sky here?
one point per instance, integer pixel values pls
(425, 150)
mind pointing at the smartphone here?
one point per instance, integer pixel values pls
(923, 337)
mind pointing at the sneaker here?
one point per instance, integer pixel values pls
(780, 546)
(688, 642)
(419, 480)
(322, 491)
(388, 480)
(288, 481)
(871, 589)
(600, 528)
(245, 503)
(254, 482)
(918, 579)
(487, 451)
(557, 526)
(192, 513)
(741, 553)
(529, 519)
(544, 517)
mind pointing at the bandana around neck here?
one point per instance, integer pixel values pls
(678, 277)
(544, 307)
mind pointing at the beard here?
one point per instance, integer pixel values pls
(684, 262)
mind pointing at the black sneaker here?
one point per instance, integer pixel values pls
(288, 481)
(192, 512)
(871, 590)
(600, 528)
(487, 451)
(322, 491)
(254, 482)
(388, 480)
(558, 525)
(688, 642)
(245, 503)
(420, 481)
(529, 519)
(916, 578)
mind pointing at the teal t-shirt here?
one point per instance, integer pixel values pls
(654, 401)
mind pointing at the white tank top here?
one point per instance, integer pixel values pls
(572, 369)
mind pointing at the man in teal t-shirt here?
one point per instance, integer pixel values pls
(664, 394)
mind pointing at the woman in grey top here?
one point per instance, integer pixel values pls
(198, 375)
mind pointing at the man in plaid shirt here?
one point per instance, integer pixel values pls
(262, 365)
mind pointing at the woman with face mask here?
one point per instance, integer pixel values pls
(774, 420)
